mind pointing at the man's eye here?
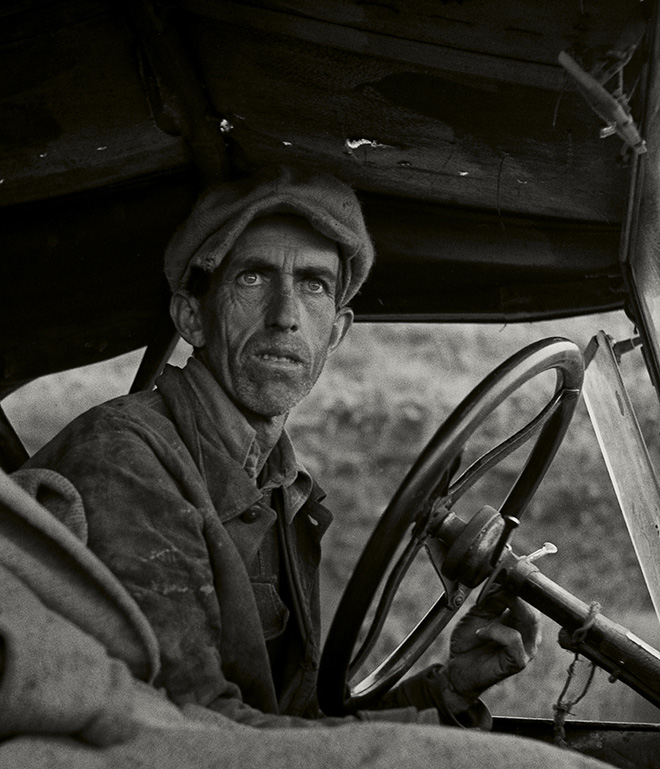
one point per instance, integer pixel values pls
(250, 279)
(316, 286)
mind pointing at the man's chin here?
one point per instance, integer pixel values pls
(275, 401)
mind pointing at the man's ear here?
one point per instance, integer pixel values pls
(343, 321)
(187, 317)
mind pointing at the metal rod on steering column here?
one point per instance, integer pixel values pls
(610, 645)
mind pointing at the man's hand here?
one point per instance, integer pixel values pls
(494, 640)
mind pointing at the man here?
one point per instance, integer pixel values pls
(193, 494)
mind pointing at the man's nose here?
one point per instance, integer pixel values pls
(283, 311)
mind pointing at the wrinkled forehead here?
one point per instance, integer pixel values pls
(282, 234)
(283, 243)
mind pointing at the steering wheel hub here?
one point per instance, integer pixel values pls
(469, 557)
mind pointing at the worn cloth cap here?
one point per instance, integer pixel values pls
(224, 211)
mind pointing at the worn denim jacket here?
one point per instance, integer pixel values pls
(176, 518)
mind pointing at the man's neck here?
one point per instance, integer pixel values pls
(268, 432)
(268, 429)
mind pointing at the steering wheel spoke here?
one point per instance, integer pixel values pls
(421, 537)
(392, 584)
(491, 458)
(396, 664)
(421, 510)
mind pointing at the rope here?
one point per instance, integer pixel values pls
(563, 707)
(581, 633)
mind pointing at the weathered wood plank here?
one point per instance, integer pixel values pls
(396, 101)
(393, 127)
(528, 31)
(331, 31)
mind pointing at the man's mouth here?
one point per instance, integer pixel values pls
(279, 358)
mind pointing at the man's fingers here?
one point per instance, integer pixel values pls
(513, 657)
(493, 603)
(512, 611)
(527, 621)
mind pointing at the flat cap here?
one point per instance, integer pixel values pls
(223, 211)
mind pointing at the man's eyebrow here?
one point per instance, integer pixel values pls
(253, 263)
(236, 266)
(317, 271)
(304, 271)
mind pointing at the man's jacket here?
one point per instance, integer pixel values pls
(177, 519)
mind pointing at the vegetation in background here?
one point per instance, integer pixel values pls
(383, 394)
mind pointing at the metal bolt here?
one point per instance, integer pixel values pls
(547, 549)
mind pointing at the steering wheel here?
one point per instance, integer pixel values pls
(422, 501)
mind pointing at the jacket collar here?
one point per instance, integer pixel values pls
(223, 444)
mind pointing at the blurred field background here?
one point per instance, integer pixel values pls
(380, 399)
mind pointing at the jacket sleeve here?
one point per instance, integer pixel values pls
(426, 689)
(150, 536)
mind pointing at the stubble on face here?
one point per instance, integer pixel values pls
(273, 375)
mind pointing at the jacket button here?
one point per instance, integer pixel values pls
(250, 516)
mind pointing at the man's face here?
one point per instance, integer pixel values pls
(269, 319)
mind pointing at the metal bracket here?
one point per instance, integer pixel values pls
(611, 106)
